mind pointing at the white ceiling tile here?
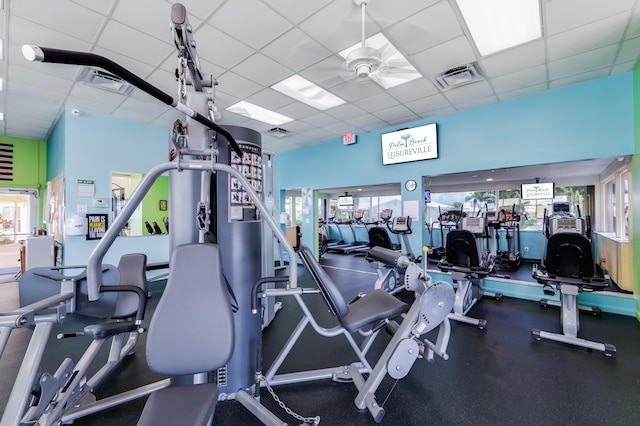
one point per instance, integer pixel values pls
(298, 126)
(334, 33)
(262, 70)
(346, 111)
(425, 29)
(623, 67)
(579, 78)
(296, 50)
(25, 32)
(256, 26)
(135, 44)
(443, 57)
(587, 37)
(376, 102)
(326, 73)
(295, 10)
(537, 88)
(352, 91)
(102, 7)
(157, 17)
(428, 103)
(298, 110)
(198, 8)
(94, 105)
(320, 120)
(270, 99)
(396, 114)
(138, 68)
(522, 78)
(629, 51)
(584, 38)
(385, 13)
(507, 61)
(634, 24)
(582, 62)
(413, 90)
(368, 122)
(225, 51)
(55, 14)
(473, 91)
(475, 103)
(237, 86)
(566, 14)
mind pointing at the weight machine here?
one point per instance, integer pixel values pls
(216, 187)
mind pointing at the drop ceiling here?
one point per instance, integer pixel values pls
(249, 45)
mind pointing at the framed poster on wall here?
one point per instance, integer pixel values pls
(96, 226)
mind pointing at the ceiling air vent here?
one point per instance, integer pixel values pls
(104, 80)
(278, 132)
(458, 76)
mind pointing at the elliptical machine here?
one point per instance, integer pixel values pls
(389, 264)
(568, 267)
(468, 267)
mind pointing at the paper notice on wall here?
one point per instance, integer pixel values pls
(411, 208)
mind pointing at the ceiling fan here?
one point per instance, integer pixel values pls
(376, 58)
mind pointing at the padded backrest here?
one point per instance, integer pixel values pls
(133, 271)
(569, 255)
(327, 287)
(461, 249)
(192, 328)
(379, 237)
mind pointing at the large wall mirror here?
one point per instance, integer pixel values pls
(152, 216)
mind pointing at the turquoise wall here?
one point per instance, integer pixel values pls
(584, 121)
(91, 147)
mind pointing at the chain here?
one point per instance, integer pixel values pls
(307, 420)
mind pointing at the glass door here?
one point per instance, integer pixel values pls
(18, 220)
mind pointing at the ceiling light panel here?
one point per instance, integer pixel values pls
(497, 25)
(258, 113)
(301, 89)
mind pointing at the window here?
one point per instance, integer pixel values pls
(615, 209)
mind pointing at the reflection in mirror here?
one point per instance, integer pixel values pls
(152, 216)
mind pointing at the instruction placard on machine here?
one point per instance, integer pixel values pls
(250, 166)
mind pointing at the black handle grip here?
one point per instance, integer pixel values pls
(59, 56)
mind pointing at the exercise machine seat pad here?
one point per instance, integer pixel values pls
(462, 249)
(190, 405)
(378, 237)
(569, 255)
(133, 271)
(192, 329)
(365, 312)
(371, 309)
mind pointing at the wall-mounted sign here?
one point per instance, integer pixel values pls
(537, 191)
(417, 143)
(96, 226)
(348, 139)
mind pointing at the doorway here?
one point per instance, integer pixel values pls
(18, 220)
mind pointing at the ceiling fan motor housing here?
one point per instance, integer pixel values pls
(363, 61)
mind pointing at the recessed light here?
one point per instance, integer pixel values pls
(301, 89)
(256, 112)
(497, 25)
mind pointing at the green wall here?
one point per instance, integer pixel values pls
(151, 204)
(29, 166)
(635, 188)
